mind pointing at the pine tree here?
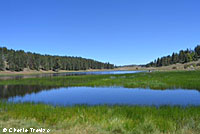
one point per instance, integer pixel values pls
(2, 65)
(18, 60)
(181, 57)
(57, 65)
(197, 50)
(188, 57)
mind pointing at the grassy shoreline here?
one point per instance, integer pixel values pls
(34, 72)
(102, 119)
(154, 80)
(107, 119)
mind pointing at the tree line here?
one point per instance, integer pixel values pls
(183, 56)
(18, 60)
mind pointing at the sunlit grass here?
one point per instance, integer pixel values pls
(155, 80)
(102, 119)
(107, 119)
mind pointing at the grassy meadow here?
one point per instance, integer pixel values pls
(82, 119)
(154, 80)
(102, 119)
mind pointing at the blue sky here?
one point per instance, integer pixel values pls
(119, 31)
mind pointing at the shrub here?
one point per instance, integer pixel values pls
(186, 66)
(174, 67)
(198, 64)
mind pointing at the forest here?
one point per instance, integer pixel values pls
(183, 56)
(18, 60)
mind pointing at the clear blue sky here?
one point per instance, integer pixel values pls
(119, 31)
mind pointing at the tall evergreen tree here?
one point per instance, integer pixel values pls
(19, 60)
(2, 65)
(197, 50)
(181, 57)
(57, 65)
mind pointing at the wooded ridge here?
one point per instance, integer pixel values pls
(183, 56)
(18, 60)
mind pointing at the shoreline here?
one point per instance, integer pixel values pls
(33, 72)
(175, 67)
(153, 80)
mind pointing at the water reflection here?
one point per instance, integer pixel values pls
(8, 91)
(66, 74)
(68, 96)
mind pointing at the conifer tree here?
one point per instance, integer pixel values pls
(197, 50)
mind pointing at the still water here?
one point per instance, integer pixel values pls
(67, 74)
(68, 96)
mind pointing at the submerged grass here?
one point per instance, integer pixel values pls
(102, 119)
(154, 80)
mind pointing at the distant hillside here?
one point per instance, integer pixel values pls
(184, 56)
(13, 60)
(127, 66)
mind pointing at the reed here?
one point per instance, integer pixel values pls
(154, 80)
(102, 119)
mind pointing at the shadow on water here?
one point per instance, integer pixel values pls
(68, 96)
(7, 91)
(65, 74)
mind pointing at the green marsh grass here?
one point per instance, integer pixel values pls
(154, 80)
(103, 119)
(107, 119)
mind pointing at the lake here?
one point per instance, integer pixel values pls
(69, 96)
(2, 77)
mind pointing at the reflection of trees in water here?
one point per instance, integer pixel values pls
(7, 91)
(17, 77)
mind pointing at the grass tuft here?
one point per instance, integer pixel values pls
(102, 119)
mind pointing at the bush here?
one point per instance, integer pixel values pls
(186, 66)
(194, 65)
(174, 67)
(198, 64)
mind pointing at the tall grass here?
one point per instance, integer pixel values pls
(107, 119)
(104, 119)
(155, 80)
